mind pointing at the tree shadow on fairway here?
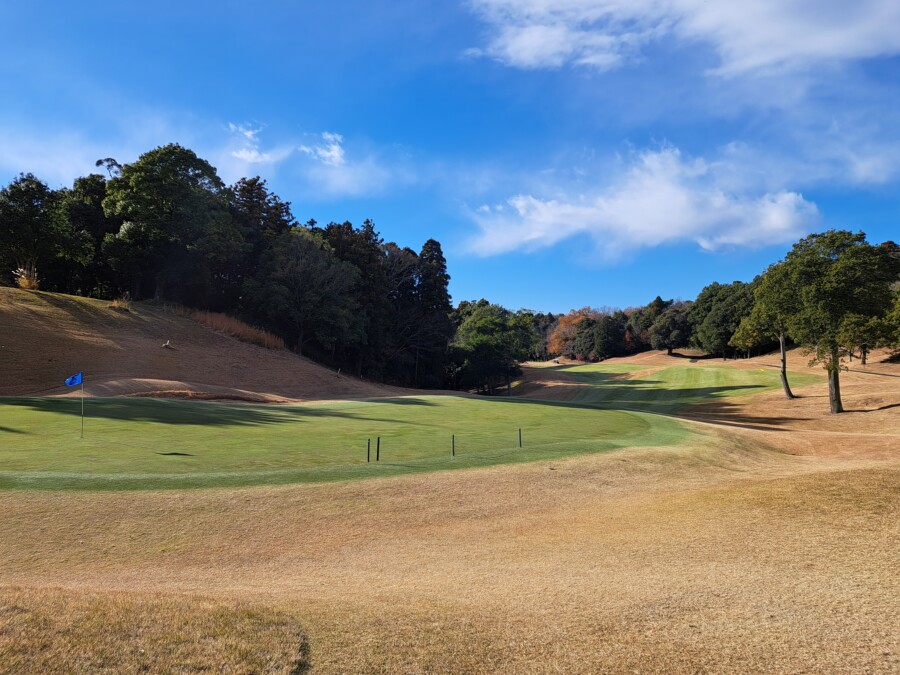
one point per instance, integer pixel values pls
(405, 400)
(10, 430)
(639, 395)
(193, 413)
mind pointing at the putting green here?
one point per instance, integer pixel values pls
(150, 444)
(134, 443)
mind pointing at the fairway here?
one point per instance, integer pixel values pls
(667, 389)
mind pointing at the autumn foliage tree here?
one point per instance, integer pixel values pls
(562, 339)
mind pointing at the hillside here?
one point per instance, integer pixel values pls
(46, 337)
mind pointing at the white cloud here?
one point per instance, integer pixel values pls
(245, 130)
(249, 152)
(332, 172)
(330, 152)
(747, 36)
(660, 198)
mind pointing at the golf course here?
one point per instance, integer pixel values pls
(286, 518)
(145, 443)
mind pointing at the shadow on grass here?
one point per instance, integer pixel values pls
(194, 413)
(402, 401)
(866, 410)
(10, 430)
(728, 414)
(639, 395)
(81, 309)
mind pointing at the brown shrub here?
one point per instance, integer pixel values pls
(121, 304)
(27, 279)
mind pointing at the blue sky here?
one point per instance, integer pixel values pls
(564, 152)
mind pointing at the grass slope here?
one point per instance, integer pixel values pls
(149, 443)
(45, 337)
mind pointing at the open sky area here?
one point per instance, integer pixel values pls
(564, 152)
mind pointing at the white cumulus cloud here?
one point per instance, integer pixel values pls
(659, 198)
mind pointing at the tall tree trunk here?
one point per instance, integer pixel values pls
(834, 384)
(784, 378)
(863, 352)
(669, 351)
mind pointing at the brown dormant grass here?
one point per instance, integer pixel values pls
(45, 337)
(59, 631)
(237, 329)
(724, 557)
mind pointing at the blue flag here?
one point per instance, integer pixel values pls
(75, 380)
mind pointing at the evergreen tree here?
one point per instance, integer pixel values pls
(836, 274)
(609, 335)
(672, 328)
(34, 231)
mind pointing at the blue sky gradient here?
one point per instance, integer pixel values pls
(567, 153)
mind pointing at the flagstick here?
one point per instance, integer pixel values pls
(82, 406)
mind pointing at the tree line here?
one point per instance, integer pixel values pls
(166, 227)
(834, 294)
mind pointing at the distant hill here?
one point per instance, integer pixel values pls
(45, 337)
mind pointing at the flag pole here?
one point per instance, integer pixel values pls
(82, 406)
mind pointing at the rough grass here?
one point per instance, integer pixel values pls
(666, 560)
(121, 304)
(64, 631)
(45, 337)
(236, 328)
(148, 443)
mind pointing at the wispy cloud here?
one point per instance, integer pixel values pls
(758, 36)
(249, 152)
(331, 171)
(659, 197)
(330, 151)
(59, 155)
